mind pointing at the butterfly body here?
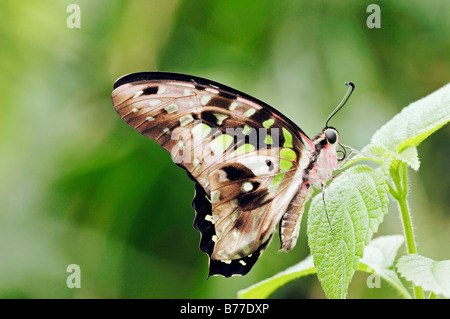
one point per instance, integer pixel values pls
(253, 168)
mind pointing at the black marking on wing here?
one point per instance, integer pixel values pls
(255, 185)
(237, 171)
(150, 90)
(203, 207)
(209, 118)
(235, 267)
(260, 116)
(220, 102)
(240, 222)
(253, 200)
(227, 95)
(269, 165)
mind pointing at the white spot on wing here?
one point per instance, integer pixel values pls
(161, 90)
(209, 218)
(235, 233)
(205, 99)
(186, 120)
(220, 117)
(172, 108)
(138, 93)
(196, 163)
(154, 102)
(247, 187)
(215, 196)
(257, 164)
(233, 106)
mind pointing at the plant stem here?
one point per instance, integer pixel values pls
(401, 184)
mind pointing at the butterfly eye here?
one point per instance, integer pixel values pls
(331, 136)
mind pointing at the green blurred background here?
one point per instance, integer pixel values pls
(78, 185)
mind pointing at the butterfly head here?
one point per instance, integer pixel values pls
(328, 138)
(329, 141)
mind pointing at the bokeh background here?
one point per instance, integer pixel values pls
(78, 186)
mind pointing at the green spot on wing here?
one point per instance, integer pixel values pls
(288, 153)
(247, 129)
(268, 123)
(287, 156)
(268, 139)
(276, 182)
(285, 165)
(249, 112)
(287, 138)
(246, 148)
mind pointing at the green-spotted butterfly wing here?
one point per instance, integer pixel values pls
(249, 161)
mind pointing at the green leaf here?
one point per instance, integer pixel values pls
(381, 252)
(355, 202)
(379, 257)
(415, 122)
(375, 149)
(424, 272)
(409, 156)
(264, 288)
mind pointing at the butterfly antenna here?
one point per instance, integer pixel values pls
(350, 89)
(328, 218)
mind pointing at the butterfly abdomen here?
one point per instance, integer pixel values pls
(292, 218)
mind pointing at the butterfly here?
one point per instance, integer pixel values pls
(253, 168)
